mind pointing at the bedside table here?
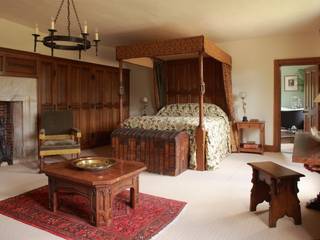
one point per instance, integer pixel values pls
(241, 126)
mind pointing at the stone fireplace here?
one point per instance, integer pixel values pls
(18, 118)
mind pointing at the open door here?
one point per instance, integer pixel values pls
(311, 90)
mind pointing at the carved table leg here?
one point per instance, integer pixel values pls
(53, 200)
(259, 191)
(134, 192)
(101, 206)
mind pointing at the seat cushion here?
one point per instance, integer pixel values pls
(61, 144)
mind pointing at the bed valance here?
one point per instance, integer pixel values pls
(183, 47)
(199, 47)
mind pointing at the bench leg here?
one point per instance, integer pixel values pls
(259, 192)
(284, 201)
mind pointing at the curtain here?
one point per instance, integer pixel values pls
(159, 83)
(227, 80)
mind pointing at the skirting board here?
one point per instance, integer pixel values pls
(270, 148)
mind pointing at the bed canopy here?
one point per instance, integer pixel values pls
(198, 57)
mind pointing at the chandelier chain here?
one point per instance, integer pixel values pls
(76, 13)
(59, 10)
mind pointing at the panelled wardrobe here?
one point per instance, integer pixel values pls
(90, 91)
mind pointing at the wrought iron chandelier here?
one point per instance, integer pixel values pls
(67, 42)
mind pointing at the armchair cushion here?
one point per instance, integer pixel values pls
(61, 144)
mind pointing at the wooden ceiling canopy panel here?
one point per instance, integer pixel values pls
(173, 47)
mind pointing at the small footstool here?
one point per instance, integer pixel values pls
(278, 186)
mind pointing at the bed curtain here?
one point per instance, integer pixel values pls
(227, 80)
(159, 84)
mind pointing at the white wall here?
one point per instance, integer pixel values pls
(252, 70)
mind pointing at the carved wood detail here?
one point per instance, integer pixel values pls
(160, 48)
(171, 47)
(99, 188)
(278, 186)
(182, 82)
(20, 66)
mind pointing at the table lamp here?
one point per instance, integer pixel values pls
(243, 96)
(145, 106)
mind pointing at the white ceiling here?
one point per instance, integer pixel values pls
(130, 21)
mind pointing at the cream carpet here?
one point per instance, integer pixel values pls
(217, 208)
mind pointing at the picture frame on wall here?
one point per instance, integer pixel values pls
(291, 83)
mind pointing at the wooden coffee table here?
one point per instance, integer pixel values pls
(99, 187)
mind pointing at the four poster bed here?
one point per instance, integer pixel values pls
(187, 73)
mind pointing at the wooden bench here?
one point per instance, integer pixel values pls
(163, 152)
(278, 186)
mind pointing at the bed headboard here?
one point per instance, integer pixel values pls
(182, 82)
(191, 110)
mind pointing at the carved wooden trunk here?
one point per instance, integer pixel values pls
(163, 152)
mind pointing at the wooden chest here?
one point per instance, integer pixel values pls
(163, 152)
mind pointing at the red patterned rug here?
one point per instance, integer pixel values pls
(72, 222)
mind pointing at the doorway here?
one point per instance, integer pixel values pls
(298, 111)
(302, 87)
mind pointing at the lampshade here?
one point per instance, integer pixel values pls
(317, 99)
(145, 99)
(243, 94)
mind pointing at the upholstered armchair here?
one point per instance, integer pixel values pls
(57, 135)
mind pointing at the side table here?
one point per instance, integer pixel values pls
(259, 125)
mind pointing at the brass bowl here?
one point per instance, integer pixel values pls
(93, 163)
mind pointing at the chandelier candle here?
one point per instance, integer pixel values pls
(52, 23)
(96, 36)
(85, 27)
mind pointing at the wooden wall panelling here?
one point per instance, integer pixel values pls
(61, 86)
(20, 65)
(107, 117)
(91, 91)
(92, 98)
(85, 76)
(98, 110)
(115, 99)
(74, 93)
(46, 85)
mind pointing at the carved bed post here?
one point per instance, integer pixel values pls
(200, 131)
(121, 93)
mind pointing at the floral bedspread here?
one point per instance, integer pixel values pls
(185, 117)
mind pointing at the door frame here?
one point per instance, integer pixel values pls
(278, 63)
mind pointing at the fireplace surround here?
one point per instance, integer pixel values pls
(18, 96)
